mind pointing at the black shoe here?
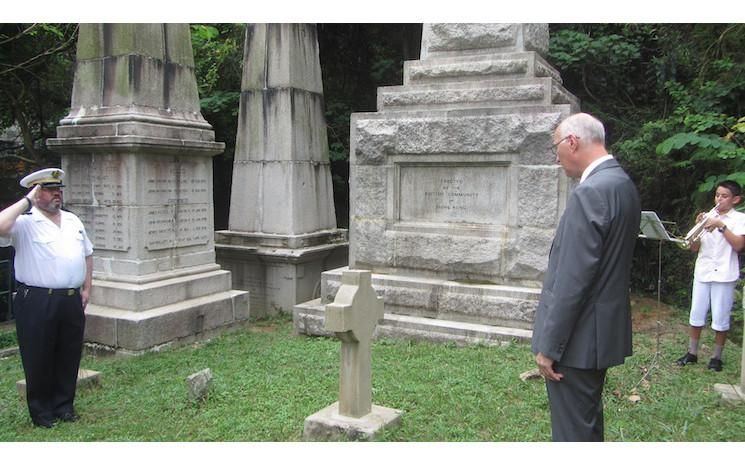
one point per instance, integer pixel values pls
(43, 422)
(69, 416)
(715, 364)
(688, 358)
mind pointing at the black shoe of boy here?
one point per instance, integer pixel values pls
(687, 359)
(715, 364)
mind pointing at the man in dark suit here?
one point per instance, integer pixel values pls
(583, 321)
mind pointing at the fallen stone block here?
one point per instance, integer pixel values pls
(199, 384)
(85, 378)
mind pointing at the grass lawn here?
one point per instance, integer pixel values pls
(267, 380)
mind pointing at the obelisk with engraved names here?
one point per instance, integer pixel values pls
(138, 157)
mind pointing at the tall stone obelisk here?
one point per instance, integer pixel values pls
(138, 159)
(282, 227)
(455, 193)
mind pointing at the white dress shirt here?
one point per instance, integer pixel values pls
(717, 261)
(48, 255)
(594, 165)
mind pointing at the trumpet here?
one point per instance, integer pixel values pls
(697, 231)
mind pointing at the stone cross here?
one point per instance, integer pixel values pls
(742, 370)
(353, 316)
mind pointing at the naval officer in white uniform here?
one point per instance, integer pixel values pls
(53, 267)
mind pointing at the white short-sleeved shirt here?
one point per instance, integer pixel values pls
(48, 255)
(717, 261)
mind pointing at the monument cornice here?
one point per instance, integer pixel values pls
(136, 144)
(111, 115)
(280, 241)
(280, 255)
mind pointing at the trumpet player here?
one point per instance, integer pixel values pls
(716, 272)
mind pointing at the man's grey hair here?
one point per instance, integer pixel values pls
(584, 126)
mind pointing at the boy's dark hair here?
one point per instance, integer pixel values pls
(732, 186)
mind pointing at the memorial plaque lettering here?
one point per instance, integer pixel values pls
(177, 184)
(452, 193)
(177, 226)
(98, 182)
(107, 228)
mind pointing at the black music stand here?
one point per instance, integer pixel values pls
(653, 228)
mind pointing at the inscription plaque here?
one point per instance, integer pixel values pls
(177, 183)
(453, 193)
(96, 181)
(107, 228)
(177, 226)
(175, 191)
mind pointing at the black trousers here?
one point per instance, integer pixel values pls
(50, 338)
(576, 404)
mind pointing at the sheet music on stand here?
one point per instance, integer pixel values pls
(653, 228)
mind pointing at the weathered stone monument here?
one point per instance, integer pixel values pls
(138, 157)
(352, 317)
(455, 192)
(730, 391)
(282, 226)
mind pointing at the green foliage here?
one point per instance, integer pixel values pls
(218, 62)
(219, 101)
(35, 87)
(8, 338)
(672, 97)
(709, 139)
(218, 58)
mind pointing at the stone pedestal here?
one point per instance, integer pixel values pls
(352, 317)
(732, 392)
(138, 157)
(454, 189)
(282, 223)
(328, 425)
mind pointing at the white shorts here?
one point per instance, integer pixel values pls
(718, 296)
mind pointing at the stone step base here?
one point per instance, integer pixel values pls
(329, 425)
(478, 67)
(308, 318)
(279, 278)
(131, 332)
(438, 299)
(731, 392)
(85, 378)
(139, 297)
(474, 94)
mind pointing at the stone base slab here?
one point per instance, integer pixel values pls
(308, 318)
(9, 352)
(138, 297)
(85, 378)
(279, 278)
(441, 299)
(730, 392)
(131, 332)
(327, 424)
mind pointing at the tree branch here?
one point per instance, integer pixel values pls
(19, 157)
(11, 39)
(61, 48)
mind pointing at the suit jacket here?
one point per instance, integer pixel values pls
(583, 318)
